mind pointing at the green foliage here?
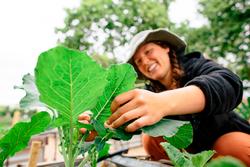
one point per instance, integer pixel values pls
(65, 83)
(119, 80)
(5, 119)
(104, 151)
(31, 99)
(118, 21)
(3, 131)
(104, 60)
(226, 161)
(181, 159)
(244, 109)
(178, 133)
(70, 82)
(183, 137)
(227, 33)
(18, 137)
(111, 24)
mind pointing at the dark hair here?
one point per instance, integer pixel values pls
(177, 71)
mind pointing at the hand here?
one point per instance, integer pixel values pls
(142, 107)
(85, 119)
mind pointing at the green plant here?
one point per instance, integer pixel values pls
(180, 159)
(67, 83)
(18, 137)
(226, 161)
(244, 109)
(186, 159)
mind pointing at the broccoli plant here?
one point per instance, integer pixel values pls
(68, 82)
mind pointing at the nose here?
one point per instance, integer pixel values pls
(145, 61)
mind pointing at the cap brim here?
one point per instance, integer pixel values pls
(172, 39)
(164, 35)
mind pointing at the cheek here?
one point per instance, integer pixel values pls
(141, 70)
(166, 61)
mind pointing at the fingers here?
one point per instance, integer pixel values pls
(91, 136)
(121, 99)
(137, 124)
(122, 110)
(85, 116)
(128, 116)
(83, 130)
(84, 121)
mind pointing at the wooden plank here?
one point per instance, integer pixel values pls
(16, 117)
(34, 153)
(121, 161)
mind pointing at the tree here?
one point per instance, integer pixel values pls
(102, 25)
(226, 35)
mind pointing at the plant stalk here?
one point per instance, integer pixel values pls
(66, 161)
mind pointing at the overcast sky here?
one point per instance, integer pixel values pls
(27, 29)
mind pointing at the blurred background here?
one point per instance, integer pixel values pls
(219, 29)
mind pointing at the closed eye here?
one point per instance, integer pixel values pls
(149, 51)
(138, 61)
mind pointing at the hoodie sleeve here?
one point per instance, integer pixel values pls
(222, 88)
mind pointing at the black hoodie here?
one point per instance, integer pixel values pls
(223, 93)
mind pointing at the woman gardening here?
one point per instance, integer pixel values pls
(185, 87)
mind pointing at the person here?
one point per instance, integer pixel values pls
(185, 87)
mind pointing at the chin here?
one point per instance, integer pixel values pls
(156, 78)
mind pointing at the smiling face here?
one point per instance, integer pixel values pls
(153, 62)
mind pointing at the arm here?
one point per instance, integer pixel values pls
(186, 100)
(147, 108)
(222, 88)
(209, 88)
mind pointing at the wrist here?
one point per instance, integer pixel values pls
(168, 104)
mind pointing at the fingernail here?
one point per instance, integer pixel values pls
(127, 129)
(113, 125)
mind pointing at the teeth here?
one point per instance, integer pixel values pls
(151, 67)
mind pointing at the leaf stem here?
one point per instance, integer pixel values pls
(87, 156)
(93, 149)
(71, 128)
(80, 143)
(71, 156)
(63, 146)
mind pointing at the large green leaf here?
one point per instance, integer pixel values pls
(200, 159)
(226, 161)
(120, 133)
(121, 78)
(180, 159)
(69, 81)
(104, 152)
(18, 137)
(31, 99)
(178, 133)
(165, 127)
(183, 137)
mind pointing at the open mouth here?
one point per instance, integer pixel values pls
(152, 67)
